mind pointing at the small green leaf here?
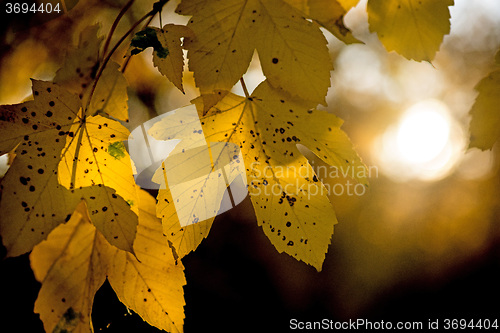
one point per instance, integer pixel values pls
(117, 150)
(148, 38)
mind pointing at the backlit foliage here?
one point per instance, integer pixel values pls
(70, 196)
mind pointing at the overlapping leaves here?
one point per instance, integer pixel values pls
(75, 260)
(290, 203)
(228, 32)
(41, 133)
(71, 181)
(70, 188)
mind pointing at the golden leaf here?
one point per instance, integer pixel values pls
(292, 50)
(290, 203)
(485, 113)
(413, 28)
(75, 259)
(39, 130)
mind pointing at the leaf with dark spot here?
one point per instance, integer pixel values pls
(49, 176)
(303, 198)
(148, 38)
(75, 259)
(292, 51)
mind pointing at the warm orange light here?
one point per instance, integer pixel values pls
(426, 144)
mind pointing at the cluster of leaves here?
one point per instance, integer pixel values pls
(70, 196)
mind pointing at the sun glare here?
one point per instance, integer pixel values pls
(423, 132)
(426, 144)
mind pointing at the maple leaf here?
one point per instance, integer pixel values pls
(87, 161)
(32, 196)
(81, 63)
(69, 266)
(151, 284)
(183, 239)
(74, 261)
(414, 29)
(290, 203)
(61, 151)
(292, 50)
(79, 72)
(167, 49)
(485, 113)
(194, 178)
(329, 14)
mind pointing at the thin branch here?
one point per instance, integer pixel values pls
(108, 57)
(65, 9)
(115, 24)
(244, 86)
(157, 7)
(125, 64)
(77, 153)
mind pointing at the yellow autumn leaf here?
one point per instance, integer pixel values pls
(32, 195)
(412, 28)
(290, 203)
(79, 72)
(485, 113)
(71, 267)
(329, 14)
(193, 179)
(93, 155)
(75, 259)
(183, 239)
(81, 63)
(110, 95)
(292, 50)
(151, 284)
(172, 64)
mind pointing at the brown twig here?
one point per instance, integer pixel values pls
(115, 24)
(244, 86)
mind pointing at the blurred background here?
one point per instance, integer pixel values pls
(422, 243)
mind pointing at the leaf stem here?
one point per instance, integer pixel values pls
(125, 64)
(244, 86)
(108, 57)
(156, 8)
(159, 17)
(77, 153)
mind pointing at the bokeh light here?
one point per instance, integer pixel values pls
(426, 144)
(423, 132)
